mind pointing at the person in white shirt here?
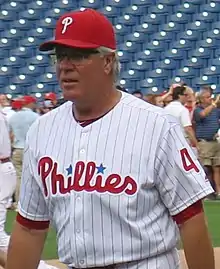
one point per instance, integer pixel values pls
(177, 109)
(7, 178)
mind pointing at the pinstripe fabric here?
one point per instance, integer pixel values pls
(136, 143)
(5, 144)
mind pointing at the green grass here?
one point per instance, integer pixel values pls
(212, 209)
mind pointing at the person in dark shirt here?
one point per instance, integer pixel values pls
(207, 123)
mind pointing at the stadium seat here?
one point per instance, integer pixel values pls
(213, 7)
(166, 35)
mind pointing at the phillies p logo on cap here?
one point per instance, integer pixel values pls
(66, 22)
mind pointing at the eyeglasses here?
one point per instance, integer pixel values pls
(77, 55)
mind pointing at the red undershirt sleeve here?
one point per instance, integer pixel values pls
(188, 213)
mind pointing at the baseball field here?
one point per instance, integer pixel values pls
(212, 209)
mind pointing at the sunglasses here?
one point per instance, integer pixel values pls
(74, 54)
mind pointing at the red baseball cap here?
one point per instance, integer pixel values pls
(50, 96)
(83, 29)
(28, 100)
(17, 104)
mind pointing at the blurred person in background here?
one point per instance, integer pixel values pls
(7, 177)
(51, 96)
(177, 109)
(46, 107)
(190, 100)
(207, 123)
(5, 105)
(154, 99)
(19, 124)
(138, 94)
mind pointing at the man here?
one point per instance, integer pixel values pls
(92, 170)
(19, 124)
(51, 96)
(177, 109)
(7, 178)
(207, 123)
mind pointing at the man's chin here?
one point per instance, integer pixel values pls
(72, 93)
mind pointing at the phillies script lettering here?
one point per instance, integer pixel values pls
(83, 173)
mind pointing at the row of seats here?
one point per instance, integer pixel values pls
(159, 42)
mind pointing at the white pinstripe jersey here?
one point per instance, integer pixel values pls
(5, 143)
(110, 188)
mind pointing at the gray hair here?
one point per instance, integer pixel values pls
(116, 66)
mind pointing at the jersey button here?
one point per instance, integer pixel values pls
(78, 231)
(82, 261)
(82, 151)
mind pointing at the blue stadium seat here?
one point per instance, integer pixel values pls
(137, 37)
(186, 71)
(23, 52)
(124, 56)
(54, 13)
(31, 70)
(147, 55)
(40, 33)
(213, 7)
(171, 27)
(13, 89)
(129, 46)
(211, 71)
(13, 5)
(160, 9)
(22, 80)
(29, 42)
(132, 75)
(205, 80)
(183, 44)
(168, 64)
(141, 65)
(187, 7)
(12, 33)
(170, 2)
(215, 34)
(47, 78)
(135, 10)
(42, 5)
(174, 54)
(153, 19)
(31, 14)
(13, 61)
(110, 12)
(162, 35)
(190, 35)
(205, 16)
(6, 71)
(180, 17)
(127, 20)
(149, 83)
(195, 62)
(48, 23)
(23, 24)
(40, 60)
(158, 73)
(7, 43)
(4, 53)
(115, 3)
(197, 25)
(121, 29)
(146, 28)
(8, 15)
(142, 2)
(200, 53)
(214, 61)
(90, 4)
(208, 43)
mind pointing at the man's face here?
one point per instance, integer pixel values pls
(206, 98)
(3, 100)
(80, 72)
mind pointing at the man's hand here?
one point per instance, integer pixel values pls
(197, 245)
(25, 247)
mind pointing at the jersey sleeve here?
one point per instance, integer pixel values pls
(32, 204)
(179, 178)
(185, 118)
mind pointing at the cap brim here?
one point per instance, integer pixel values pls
(50, 45)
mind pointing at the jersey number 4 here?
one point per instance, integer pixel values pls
(187, 161)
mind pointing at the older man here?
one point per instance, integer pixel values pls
(207, 124)
(112, 173)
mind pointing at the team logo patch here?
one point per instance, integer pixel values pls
(66, 22)
(83, 176)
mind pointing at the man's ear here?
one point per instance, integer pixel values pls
(108, 64)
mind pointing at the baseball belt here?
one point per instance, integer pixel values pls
(5, 160)
(112, 266)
